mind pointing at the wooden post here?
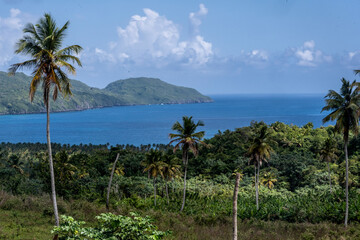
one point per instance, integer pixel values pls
(235, 198)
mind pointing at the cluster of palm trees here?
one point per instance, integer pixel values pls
(344, 107)
(165, 165)
(157, 164)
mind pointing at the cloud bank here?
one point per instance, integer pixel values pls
(152, 39)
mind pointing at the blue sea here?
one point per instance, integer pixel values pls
(149, 124)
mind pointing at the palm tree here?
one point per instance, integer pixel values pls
(154, 166)
(171, 170)
(42, 42)
(328, 154)
(344, 107)
(15, 163)
(259, 152)
(268, 180)
(110, 180)
(65, 170)
(188, 139)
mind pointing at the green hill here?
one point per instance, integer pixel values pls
(153, 90)
(14, 95)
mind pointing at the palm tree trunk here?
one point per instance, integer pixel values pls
(235, 198)
(51, 165)
(185, 155)
(154, 191)
(167, 191)
(346, 185)
(328, 165)
(256, 190)
(110, 181)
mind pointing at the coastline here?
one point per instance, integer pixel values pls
(99, 107)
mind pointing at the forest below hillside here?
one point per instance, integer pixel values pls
(297, 183)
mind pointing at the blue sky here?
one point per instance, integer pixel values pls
(247, 46)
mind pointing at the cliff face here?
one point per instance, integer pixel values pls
(14, 95)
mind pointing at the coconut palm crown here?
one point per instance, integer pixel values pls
(42, 42)
(186, 137)
(344, 107)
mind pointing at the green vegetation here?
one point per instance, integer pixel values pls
(303, 182)
(153, 91)
(110, 226)
(294, 191)
(14, 94)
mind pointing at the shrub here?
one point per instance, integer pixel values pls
(110, 226)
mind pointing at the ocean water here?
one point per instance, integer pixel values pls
(152, 123)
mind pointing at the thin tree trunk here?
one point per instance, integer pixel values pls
(346, 185)
(173, 185)
(154, 191)
(235, 199)
(51, 165)
(328, 165)
(258, 174)
(110, 181)
(184, 193)
(167, 191)
(256, 190)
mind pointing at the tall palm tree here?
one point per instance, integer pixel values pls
(259, 152)
(188, 139)
(42, 42)
(110, 180)
(328, 154)
(344, 107)
(154, 166)
(171, 170)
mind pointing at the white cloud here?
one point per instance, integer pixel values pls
(10, 31)
(308, 56)
(309, 44)
(104, 56)
(154, 40)
(350, 59)
(195, 18)
(254, 58)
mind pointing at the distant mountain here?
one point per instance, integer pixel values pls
(14, 95)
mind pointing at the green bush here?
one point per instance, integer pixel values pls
(110, 226)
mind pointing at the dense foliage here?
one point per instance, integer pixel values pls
(298, 177)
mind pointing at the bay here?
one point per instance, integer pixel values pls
(148, 124)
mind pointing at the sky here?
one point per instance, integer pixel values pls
(216, 47)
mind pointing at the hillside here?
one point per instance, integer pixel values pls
(14, 95)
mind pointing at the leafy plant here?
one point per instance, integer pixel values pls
(111, 227)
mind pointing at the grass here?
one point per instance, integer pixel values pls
(27, 217)
(24, 225)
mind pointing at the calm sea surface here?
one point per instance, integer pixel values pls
(152, 123)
